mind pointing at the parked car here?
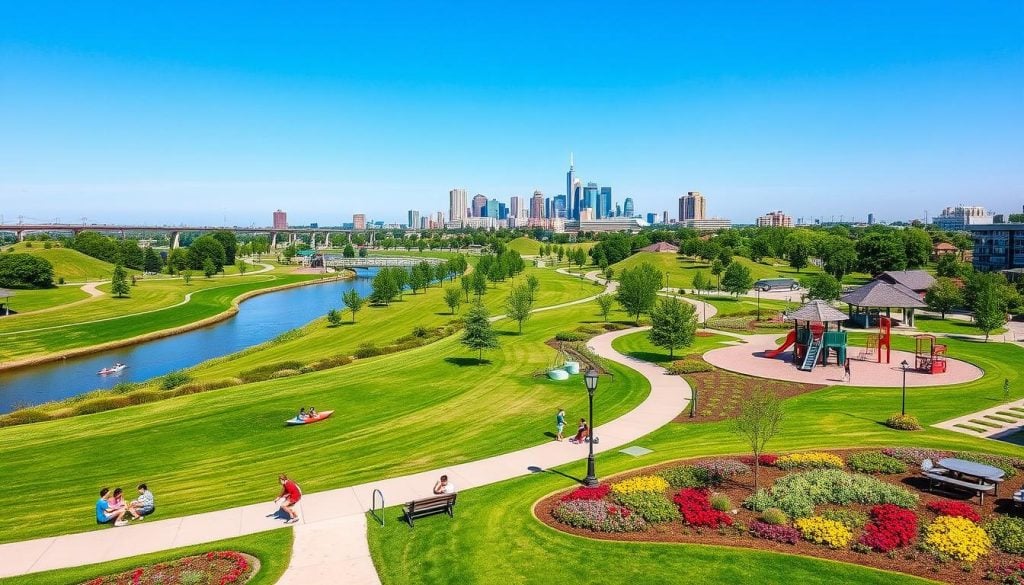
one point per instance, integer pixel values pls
(767, 284)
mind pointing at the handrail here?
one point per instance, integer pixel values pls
(373, 506)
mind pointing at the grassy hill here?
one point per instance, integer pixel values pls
(680, 271)
(72, 265)
(525, 246)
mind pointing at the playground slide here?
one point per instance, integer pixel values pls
(790, 338)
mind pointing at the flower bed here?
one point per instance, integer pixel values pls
(824, 531)
(215, 567)
(876, 462)
(810, 461)
(954, 508)
(958, 538)
(695, 507)
(598, 516)
(891, 527)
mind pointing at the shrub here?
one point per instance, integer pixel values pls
(719, 470)
(101, 404)
(651, 506)
(957, 538)
(174, 379)
(797, 494)
(824, 531)
(419, 331)
(367, 350)
(331, 362)
(875, 462)
(767, 459)
(696, 509)
(285, 373)
(690, 366)
(570, 336)
(24, 416)
(777, 532)
(266, 371)
(1007, 534)
(1009, 465)
(124, 387)
(809, 461)
(774, 516)
(915, 455)
(852, 519)
(144, 396)
(640, 483)
(590, 329)
(953, 508)
(685, 476)
(588, 493)
(598, 516)
(721, 502)
(903, 422)
(891, 527)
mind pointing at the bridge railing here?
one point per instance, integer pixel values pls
(375, 261)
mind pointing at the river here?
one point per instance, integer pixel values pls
(259, 319)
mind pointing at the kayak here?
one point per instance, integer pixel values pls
(305, 421)
(112, 370)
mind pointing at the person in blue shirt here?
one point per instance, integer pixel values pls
(106, 513)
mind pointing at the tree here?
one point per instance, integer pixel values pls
(479, 283)
(917, 245)
(479, 335)
(701, 282)
(881, 251)
(353, 302)
(229, 242)
(943, 296)
(759, 248)
(151, 260)
(838, 255)
(825, 287)
(759, 420)
(384, 287)
(348, 251)
(605, 304)
(25, 271)
(119, 282)
(518, 305)
(186, 276)
(989, 306)
(532, 285)
(416, 279)
(799, 253)
(638, 289)
(243, 267)
(334, 317)
(466, 282)
(561, 254)
(949, 266)
(452, 298)
(717, 268)
(203, 248)
(673, 324)
(737, 279)
(209, 268)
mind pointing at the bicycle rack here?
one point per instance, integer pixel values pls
(373, 506)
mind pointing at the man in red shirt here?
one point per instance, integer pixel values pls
(290, 495)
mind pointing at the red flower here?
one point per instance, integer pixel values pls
(768, 459)
(587, 493)
(952, 508)
(891, 527)
(695, 507)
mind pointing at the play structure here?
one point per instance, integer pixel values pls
(876, 341)
(817, 334)
(929, 357)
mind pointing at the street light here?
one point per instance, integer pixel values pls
(591, 380)
(903, 409)
(758, 289)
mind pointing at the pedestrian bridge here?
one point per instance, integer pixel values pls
(339, 261)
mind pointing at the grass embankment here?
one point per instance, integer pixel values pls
(394, 415)
(638, 345)
(273, 549)
(71, 265)
(679, 271)
(929, 324)
(107, 319)
(495, 538)
(27, 300)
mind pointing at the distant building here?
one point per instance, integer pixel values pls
(604, 202)
(587, 214)
(358, 221)
(424, 223)
(590, 197)
(547, 207)
(515, 206)
(959, 217)
(479, 204)
(615, 224)
(489, 223)
(871, 219)
(710, 224)
(457, 205)
(652, 218)
(692, 206)
(998, 246)
(775, 219)
(627, 207)
(492, 209)
(414, 219)
(502, 210)
(664, 217)
(537, 205)
(280, 220)
(558, 208)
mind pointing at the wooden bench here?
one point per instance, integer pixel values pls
(978, 488)
(424, 507)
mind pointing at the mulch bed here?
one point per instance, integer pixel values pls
(909, 559)
(227, 567)
(721, 393)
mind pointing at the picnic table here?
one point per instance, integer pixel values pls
(981, 472)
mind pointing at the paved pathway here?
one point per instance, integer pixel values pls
(1004, 421)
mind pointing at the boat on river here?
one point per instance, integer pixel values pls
(114, 369)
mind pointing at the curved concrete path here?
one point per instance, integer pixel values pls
(330, 539)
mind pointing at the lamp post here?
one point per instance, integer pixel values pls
(591, 380)
(903, 408)
(758, 289)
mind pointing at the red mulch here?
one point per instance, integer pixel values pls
(214, 569)
(906, 560)
(721, 393)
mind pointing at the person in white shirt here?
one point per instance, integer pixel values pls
(443, 486)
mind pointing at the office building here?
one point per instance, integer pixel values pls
(558, 207)
(604, 202)
(589, 198)
(515, 206)
(491, 209)
(618, 210)
(358, 221)
(414, 219)
(502, 211)
(547, 207)
(652, 218)
(537, 205)
(488, 223)
(709, 224)
(570, 190)
(692, 206)
(775, 219)
(612, 224)
(587, 214)
(479, 204)
(627, 207)
(959, 217)
(871, 219)
(456, 205)
(280, 220)
(664, 217)
(997, 246)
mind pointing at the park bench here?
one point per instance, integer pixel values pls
(978, 488)
(426, 506)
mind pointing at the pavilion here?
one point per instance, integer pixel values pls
(866, 302)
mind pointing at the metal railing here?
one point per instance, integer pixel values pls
(373, 506)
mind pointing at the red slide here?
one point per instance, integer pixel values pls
(790, 338)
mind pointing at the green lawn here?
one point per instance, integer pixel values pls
(25, 301)
(729, 305)
(679, 271)
(525, 246)
(273, 549)
(395, 414)
(929, 324)
(494, 537)
(638, 345)
(71, 265)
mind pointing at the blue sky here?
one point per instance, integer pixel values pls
(206, 112)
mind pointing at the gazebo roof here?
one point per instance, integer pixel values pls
(817, 311)
(661, 247)
(881, 294)
(916, 280)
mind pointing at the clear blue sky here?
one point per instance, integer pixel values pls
(197, 112)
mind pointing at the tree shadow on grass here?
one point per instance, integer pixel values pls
(467, 361)
(650, 356)
(535, 469)
(507, 333)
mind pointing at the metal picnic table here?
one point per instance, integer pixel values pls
(974, 469)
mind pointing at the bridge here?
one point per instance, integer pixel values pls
(339, 261)
(319, 237)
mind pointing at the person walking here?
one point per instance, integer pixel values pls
(289, 496)
(846, 371)
(560, 424)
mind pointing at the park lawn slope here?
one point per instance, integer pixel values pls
(28, 300)
(930, 324)
(679, 271)
(71, 265)
(525, 246)
(397, 414)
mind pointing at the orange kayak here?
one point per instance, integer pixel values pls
(305, 421)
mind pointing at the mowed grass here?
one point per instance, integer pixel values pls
(398, 414)
(273, 549)
(25, 301)
(71, 265)
(495, 538)
(679, 271)
(929, 324)
(727, 305)
(106, 318)
(639, 346)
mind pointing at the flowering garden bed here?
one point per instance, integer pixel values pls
(868, 507)
(212, 568)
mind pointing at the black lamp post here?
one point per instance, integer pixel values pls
(903, 409)
(758, 289)
(591, 379)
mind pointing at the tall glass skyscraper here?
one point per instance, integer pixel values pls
(604, 202)
(558, 206)
(627, 207)
(590, 193)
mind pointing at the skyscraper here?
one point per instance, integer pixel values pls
(570, 184)
(280, 220)
(358, 221)
(590, 198)
(516, 206)
(604, 202)
(627, 207)
(502, 210)
(414, 219)
(692, 206)
(558, 207)
(457, 206)
(537, 205)
(491, 208)
(479, 204)
(652, 218)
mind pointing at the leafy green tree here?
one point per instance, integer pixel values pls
(209, 268)
(242, 266)
(333, 317)
(363, 253)
(348, 251)
(638, 289)
(479, 283)
(725, 256)
(479, 334)
(759, 248)
(605, 303)
(25, 271)
(466, 282)
(825, 287)
(452, 298)
(119, 282)
(943, 296)
(401, 277)
(416, 279)
(561, 254)
(737, 279)
(353, 302)
(441, 272)
(759, 420)
(384, 287)
(838, 255)
(532, 286)
(151, 260)
(881, 251)
(949, 266)
(609, 272)
(229, 242)
(673, 325)
(701, 282)
(186, 277)
(989, 307)
(917, 245)
(799, 254)
(717, 268)
(518, 305)
(203, 248)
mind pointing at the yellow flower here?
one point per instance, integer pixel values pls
(640, 483)
(824, 531)
(815, 460)
(958, 538)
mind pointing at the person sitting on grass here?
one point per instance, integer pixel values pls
(443, 486)
(144, 505)
(289, 496)
(105, 513)
(582, 432)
